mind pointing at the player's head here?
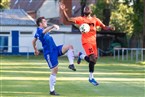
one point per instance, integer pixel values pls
(87, 10)
(41, 22)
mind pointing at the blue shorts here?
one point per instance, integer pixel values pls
(52, 58)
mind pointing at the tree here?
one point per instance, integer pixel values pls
(144, 28)
(98, 9)
(121, 19)
(119, 14)
(83, 3)
(126, 16)
(4, 4)
(137, 19)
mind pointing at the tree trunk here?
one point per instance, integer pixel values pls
(83, 4)
(144, 28)
(106, 14)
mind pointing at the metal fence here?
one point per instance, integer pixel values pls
(5, 50)
(124, 53)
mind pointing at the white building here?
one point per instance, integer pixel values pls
(16, 31)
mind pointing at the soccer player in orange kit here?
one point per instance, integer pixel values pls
(88, 39)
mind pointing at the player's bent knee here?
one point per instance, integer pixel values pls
(66, 48)
(93, 58)
(70, 47)
(54, 70)
(94, 61)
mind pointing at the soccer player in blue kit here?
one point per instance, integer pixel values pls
(51, 51)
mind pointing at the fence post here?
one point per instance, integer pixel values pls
(127, 54)
(131, 54)
(141, 54)
(114, 53)
(137, 55)
(118, 54)
(27, 52)
(122, 54)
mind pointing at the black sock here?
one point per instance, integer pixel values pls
(87, 59)
(91, 66)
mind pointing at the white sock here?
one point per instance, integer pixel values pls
(82, 56)
(70, 55)
(91, 76)
(52, 81)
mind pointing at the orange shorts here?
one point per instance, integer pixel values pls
(90, 49)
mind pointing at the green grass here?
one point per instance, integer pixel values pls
(21, 77)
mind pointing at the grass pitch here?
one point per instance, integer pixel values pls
(21, 77)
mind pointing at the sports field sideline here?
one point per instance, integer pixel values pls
(22, 77)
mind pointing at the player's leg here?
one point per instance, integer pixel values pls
(90, 50)
(52, 60)
(91, 69)
(52, 80)
(93, 59)
(70, 54)
(82, 56)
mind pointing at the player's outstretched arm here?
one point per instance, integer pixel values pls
(48, 29)
(103, 26)
(112, 28)
(36, 52)
(63, 8)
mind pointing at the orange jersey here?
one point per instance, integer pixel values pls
(89, 37)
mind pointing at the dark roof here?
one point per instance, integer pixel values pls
(27, 5)
(15, 17)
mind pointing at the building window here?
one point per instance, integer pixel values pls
(4, 32)
(25, 33)
(3, 44)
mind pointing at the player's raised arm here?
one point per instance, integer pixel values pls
(63, 8)
(48, 29)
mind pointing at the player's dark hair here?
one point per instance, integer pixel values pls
(87, 7)
(39, 20)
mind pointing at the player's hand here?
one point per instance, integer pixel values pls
(56, 27)
(36, 52)
(62, 6)
(112, 28)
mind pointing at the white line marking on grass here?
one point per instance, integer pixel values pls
(22, 92)
(72, 78)
(23, 63)
(97, 73)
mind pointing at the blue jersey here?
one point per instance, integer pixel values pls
(46, 40)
